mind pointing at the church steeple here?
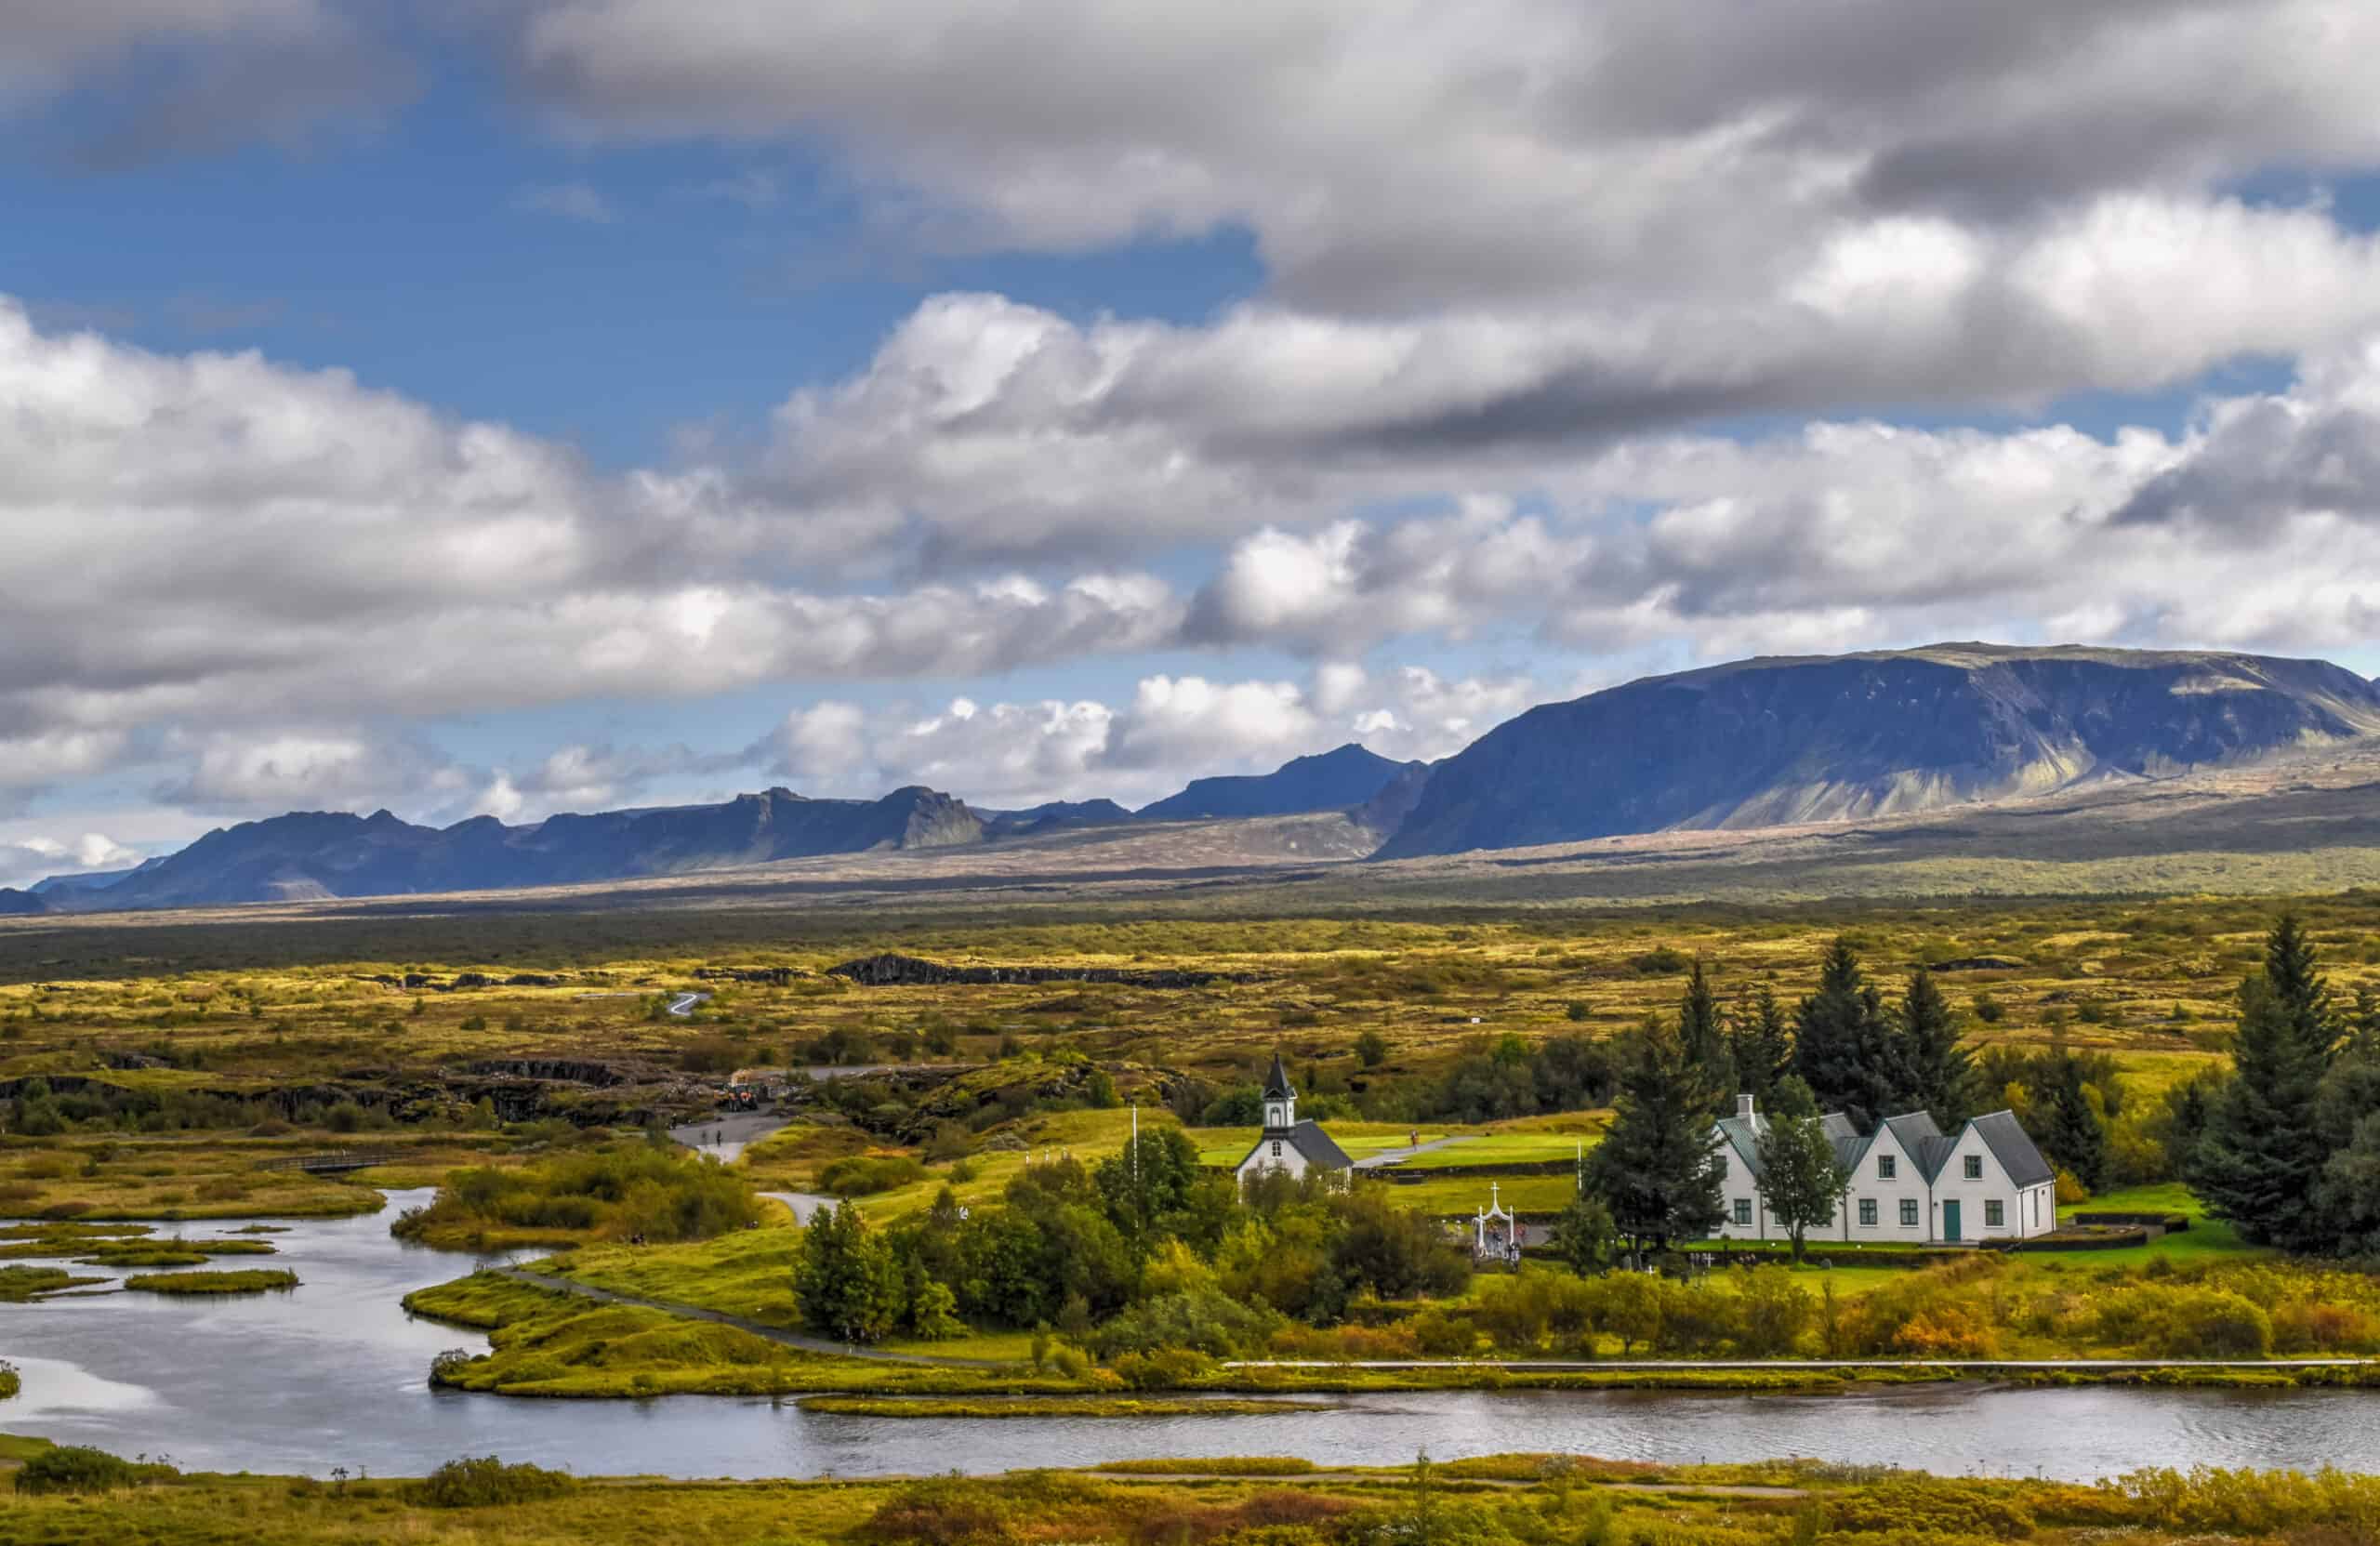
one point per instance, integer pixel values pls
(1280, 1100)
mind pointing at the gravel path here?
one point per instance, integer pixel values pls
(1399, 1156)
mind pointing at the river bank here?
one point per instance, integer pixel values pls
(271, 1384)
(1524, 1496)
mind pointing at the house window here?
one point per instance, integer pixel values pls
(1909, 1212)
(1994, 1215)
(1743, 1212)
(1867, 1212)
(1277, 1148)
(1974, 1166)
(1885, 1166)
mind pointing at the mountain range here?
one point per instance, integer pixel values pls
(1775, 741)
(1751, 744)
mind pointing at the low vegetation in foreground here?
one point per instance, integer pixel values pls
(66, 1497)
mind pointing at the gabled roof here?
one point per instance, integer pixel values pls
(1932, 1155)
(1277, 1083)
(1911, 1130)
(1318, 1147)
(2014, 1148)
(1744, 1133)
(1310, 1141)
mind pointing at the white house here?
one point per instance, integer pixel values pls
(1910, 1181)
(1286, 1143)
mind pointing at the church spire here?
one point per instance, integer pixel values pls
(1280, 1100)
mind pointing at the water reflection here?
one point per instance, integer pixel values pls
(334, 1375)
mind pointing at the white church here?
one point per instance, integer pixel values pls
(1288, 1145)
(1910, 1181)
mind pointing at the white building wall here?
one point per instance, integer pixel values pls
(1275, 1154)
(1739, 1187)
(1868, 1184)
(1974, 1195)
(2024, 1211)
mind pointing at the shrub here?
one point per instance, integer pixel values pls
(857, 1175)
(1200, 1320)
(940, 1513)
(1162, 1369)
(73, 1468)
(1927, 1506)
(466, 1484)
(1772, 1310)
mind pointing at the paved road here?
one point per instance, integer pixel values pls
(725, 1137)
(684, 1003)
(804, 1204)
(1399, 1156)
(742, 1323)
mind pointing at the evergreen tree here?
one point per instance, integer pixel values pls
(2262, 1154)
(1657, 1169)
(1845, 1046)
(2074, 1138)
(1704, 1038)
(1760, 1045)
(1939, 1073)
(2363, 1022)
(2347, 1112)
(1800, 1181)
(1583, 1235)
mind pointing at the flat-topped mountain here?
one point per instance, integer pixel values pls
(1772, 741)
(1327, 781)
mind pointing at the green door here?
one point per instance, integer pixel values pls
(1949, 1221)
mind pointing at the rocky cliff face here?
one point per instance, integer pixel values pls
(1773, 741)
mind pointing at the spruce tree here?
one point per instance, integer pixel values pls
(1940, 1069)
(1845, 1046)
(2074, 1137)
(1703, 1036)
(1760, 1045)
(2262, 1155)
(1657, 1169)
(1800, 1181)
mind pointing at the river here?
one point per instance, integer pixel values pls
(333, 1374)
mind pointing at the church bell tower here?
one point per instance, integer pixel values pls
(1280, 1100)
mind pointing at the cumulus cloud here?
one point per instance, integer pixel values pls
(1515, 261)
(31, 858)
(1173, 728)
(164, 78)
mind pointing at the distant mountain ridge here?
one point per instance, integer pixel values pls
(1332, 780)
(1774, 741)
(313, 854)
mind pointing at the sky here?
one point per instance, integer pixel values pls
(512, 406)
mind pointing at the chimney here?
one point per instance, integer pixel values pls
(1743, 1108)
